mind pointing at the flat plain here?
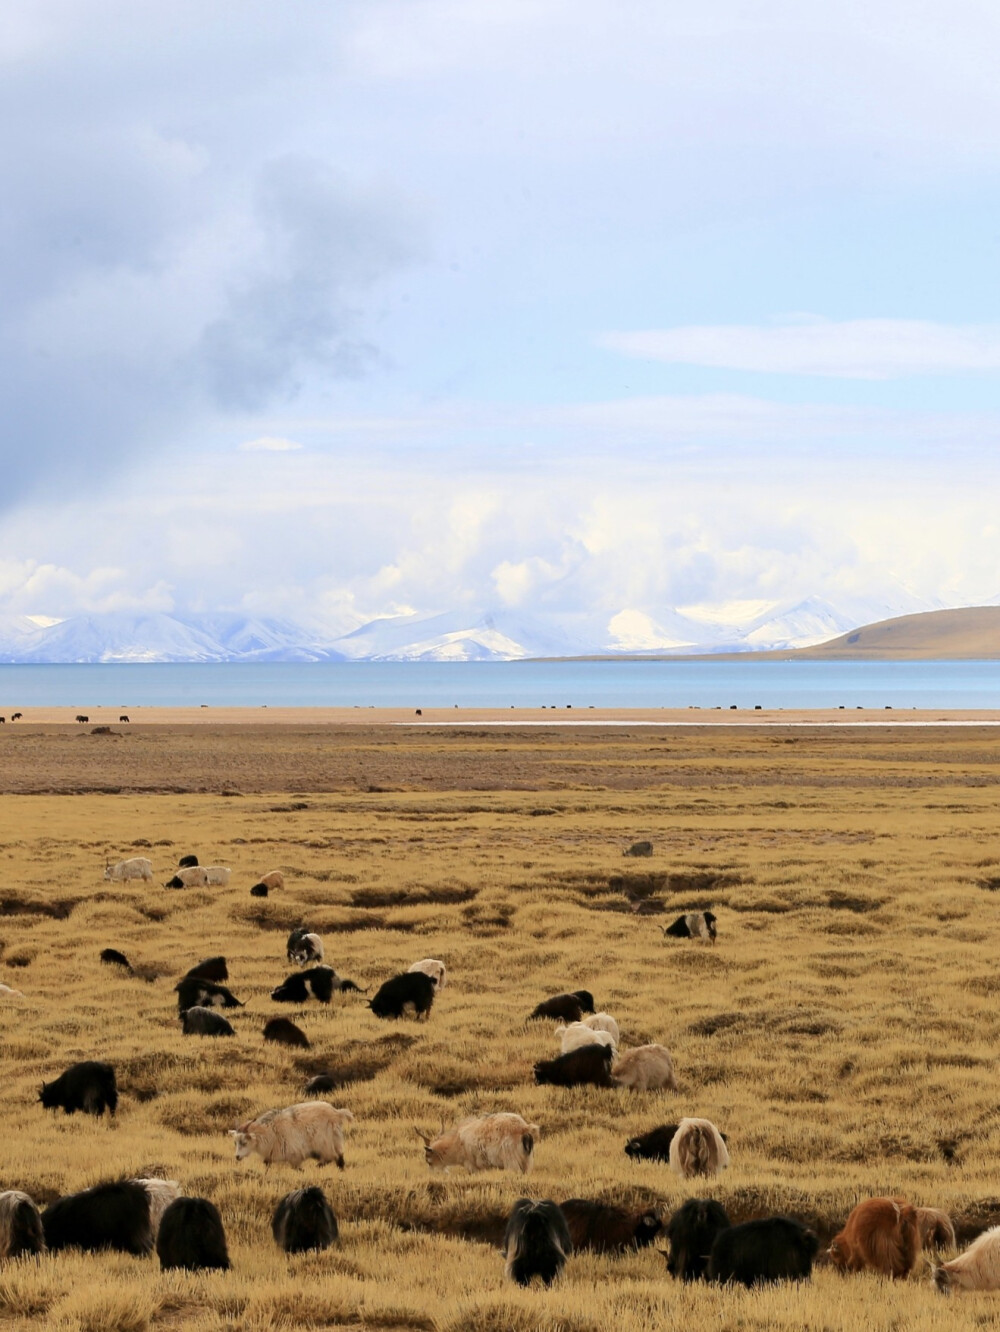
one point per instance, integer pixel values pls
(843, 1032)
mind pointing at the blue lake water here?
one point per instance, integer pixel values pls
(582, 684)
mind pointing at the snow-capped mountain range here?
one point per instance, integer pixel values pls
(497, 635)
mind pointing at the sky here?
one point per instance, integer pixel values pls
(332, 311)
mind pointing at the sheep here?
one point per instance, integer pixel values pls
(197, 1021)
(880, 1235)
(191, 1237)
(490, 1142)
(296, 1133)
(536, 1242)
(192, 991)
(210, 969)
(107, 1216)
(978, 1268)
(776, 1248)
(271, 882)
(285, 1033)
(692, 925)
(698, 1149)
(603, 1022)
(137, 867)
(411, 989)
(588, 1066)
(88, 1086)
(691, 1232)
(303, 946)
(607, 1229)
(577, 1034)
(437, 971)
(646, 1068)
(304, 1220)
(20, 1225)
(192, 876)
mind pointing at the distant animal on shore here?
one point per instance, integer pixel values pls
(107, 1216)
(437, 971)
(16, 716)
(501, 1141)
(272, 882)
(191, 1237)
(577, 1034)
(188, 862)
(880, 1235)
(776, 1248)
(607, 1229)
(693, 925)
(210, 969)
(193, 991)
(691, 1232)
(413, 990)
(123, 718)
(199, 1021)
(192, 876)
(697, 1150)
(113, 958)
(936, 1229)
(81, 717)
(304, 1220)
(536, 1243)
(285, 1032)
(88, 1086)
(296, 1133)
(978, 1268)
(21, 1229)
(588, 1066)
(304, 946)
(646, 1068)
(136, 867)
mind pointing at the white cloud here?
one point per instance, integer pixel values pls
(269, 444)
(810, 345)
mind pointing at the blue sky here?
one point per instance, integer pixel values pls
(338, 310)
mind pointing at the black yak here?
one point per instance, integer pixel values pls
(396, 995)
(210, 969)
(777, 1248)
(607, 1229)
(89, 1086)
(191, 1236)
(285, 1032)
(115, 959)
(205, 1022)
(537, 1242)
(187, 862)
(692, 925)
(652, 1146)
(566, 1007)
(590, 1065)
(108, 1216)
(691, 1232)
(193, 992)
(304, 1220)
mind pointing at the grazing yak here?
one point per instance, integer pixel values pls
(578, 1034)
(107, 1216)
(285, 1032)
(210, 969)
(186, 862)
(691, 1232)
(322, 981)
(565, 1007)
(137, 867)
(607, 1229)
(269, 883)
(296, 1133)
(115, 959)
(646, 1068)
(437, 971)
(936, 1229)
(978, 1268)
(321, 1083)
(692, 925)
(652, 1146)
(191, 1237)
(697, 1149)
(193, 992)
(192, 876)
(21, 1229)
(304, 946)
(537, 1242)
(413, 989)
(500, 1141)
(259, 890)
(217, 876)
(603, 1022)
(89, 1086)
(304, 1220)
(588, 1066)
(198, 1021)
(777, 1248)
(880, 1235)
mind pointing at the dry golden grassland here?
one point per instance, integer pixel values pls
(843, 1032)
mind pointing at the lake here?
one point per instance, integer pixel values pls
(582, 684)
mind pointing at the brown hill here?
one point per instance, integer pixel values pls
(972, 632)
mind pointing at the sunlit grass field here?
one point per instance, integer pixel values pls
(843, 1033)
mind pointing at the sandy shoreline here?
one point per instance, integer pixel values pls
(548, 717)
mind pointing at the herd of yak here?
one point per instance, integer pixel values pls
(884, 1235)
